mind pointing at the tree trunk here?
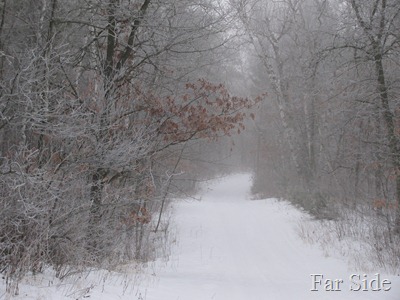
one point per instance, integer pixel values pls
(390, 128)
(94, 229)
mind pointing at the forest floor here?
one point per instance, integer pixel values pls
(230, 247)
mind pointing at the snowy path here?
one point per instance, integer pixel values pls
(231, 248)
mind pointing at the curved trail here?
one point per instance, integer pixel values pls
(232, 248)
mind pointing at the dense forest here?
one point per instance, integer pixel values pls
(109, 108)
(328, 134)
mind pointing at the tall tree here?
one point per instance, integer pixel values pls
(375, 38)
(93, 96)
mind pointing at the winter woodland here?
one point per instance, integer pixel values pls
(109, 109)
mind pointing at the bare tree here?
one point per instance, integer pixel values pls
(98, 100)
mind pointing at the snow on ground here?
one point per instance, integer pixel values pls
(228, 248)
(234, 248)
(95, 285)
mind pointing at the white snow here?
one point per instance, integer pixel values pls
(234, 248)
(229, 247)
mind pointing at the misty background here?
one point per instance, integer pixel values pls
(110, 109)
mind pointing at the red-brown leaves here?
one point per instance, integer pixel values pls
(200, 110)
(204, 110)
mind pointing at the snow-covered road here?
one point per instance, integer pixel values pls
(228, 248)
(233, 248)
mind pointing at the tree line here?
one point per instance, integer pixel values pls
(327, 136)
(105, 107)
(100, 102)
